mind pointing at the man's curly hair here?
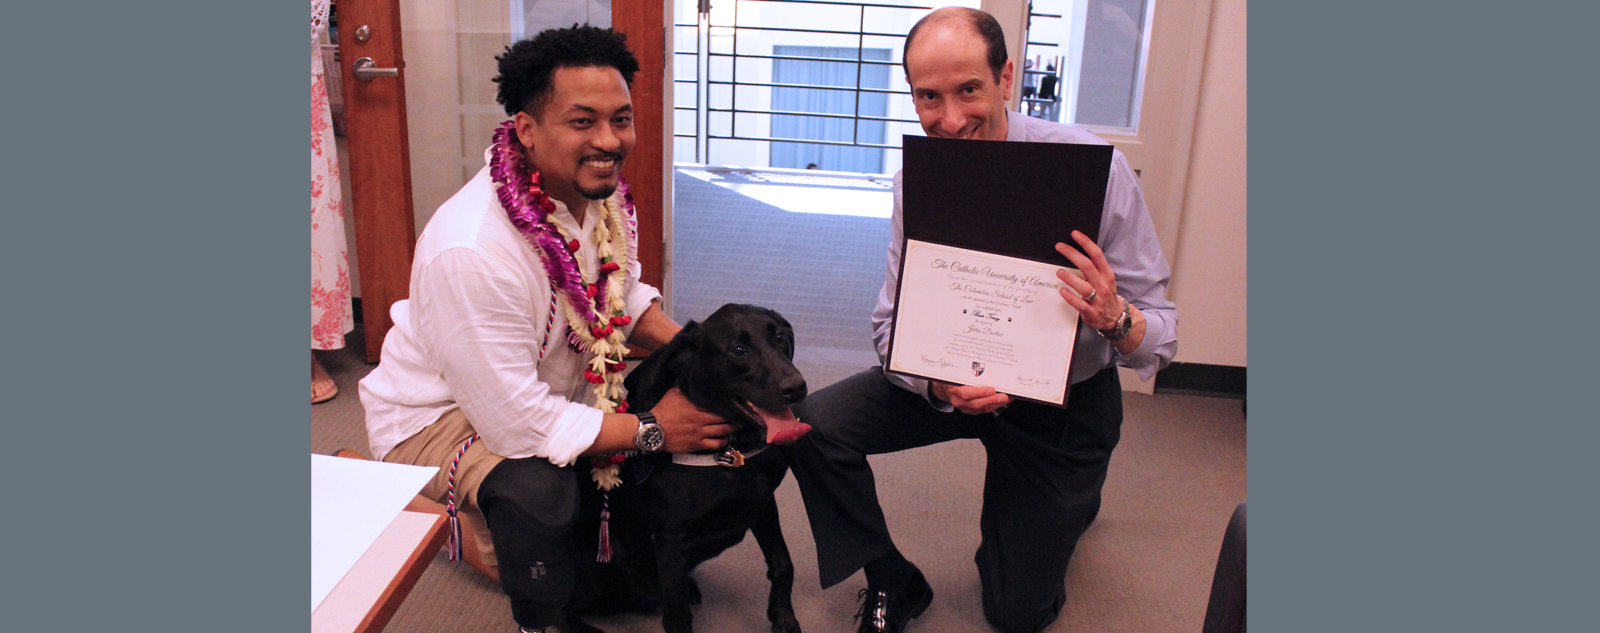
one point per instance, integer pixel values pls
(528, 67)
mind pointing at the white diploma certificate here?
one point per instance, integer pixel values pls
(973, 318)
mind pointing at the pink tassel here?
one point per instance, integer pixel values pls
(605, 529)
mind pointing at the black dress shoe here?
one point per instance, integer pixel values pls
(887, 612)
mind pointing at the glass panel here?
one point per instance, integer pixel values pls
(754, 69)
(687, 38)
(684, 122)
(796, 15)
(818, 73)
(685, 66)
(685, 96)
(885, 20)
(753, 97)
(721, 68)
(753, 42)
(721, 40)
(450, 50)
(683, 149)
(805, 35)
(737, 152)
(721, 96)
(721, 123)
(751, 124)
(1084, 62)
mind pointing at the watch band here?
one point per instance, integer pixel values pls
(1123, 326)
(649, 437)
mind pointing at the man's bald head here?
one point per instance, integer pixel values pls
(978, 23)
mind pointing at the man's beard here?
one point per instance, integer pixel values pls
(603, 191)
(599, 193)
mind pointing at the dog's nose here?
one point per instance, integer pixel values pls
(793, 390)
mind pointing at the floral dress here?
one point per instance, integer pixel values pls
(331, 316)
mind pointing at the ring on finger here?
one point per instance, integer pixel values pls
(1091, 296)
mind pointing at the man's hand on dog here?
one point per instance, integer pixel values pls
(688, 428)
(969, 400)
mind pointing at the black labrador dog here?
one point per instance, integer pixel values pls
(738, 364)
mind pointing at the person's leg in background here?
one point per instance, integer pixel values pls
(323, 388)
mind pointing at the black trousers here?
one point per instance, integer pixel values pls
(531, 505)
(1041, 490)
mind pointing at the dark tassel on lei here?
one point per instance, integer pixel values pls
(605, 528)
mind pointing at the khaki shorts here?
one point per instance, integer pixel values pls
(437, 445)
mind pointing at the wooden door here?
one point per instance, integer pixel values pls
(380, 162)
(644, 22)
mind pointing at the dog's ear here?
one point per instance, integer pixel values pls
(658, 373)
(687, 370)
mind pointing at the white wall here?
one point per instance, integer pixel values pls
(1209, 272)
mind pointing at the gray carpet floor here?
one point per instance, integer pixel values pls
(823, 271)
(1145, 565)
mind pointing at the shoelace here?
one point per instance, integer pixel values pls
(879, 606)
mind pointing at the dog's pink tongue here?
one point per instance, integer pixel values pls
(782, 426)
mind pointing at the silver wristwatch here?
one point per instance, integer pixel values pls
(1123, 326)
(649, 438)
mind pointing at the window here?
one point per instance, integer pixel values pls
(1085, 61)
(753, 77)
(799, 70)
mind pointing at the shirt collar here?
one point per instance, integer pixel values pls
(1014, 126)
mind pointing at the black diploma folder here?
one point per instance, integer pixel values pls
(1002, 197)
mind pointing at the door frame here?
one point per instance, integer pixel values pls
(644, 22)
(380, 163)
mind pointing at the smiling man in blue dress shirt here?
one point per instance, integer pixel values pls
(1046, 465)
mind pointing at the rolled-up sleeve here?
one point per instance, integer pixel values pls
(482, 327)
(1134, 253)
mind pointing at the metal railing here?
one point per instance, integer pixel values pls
(704, 109)
(1033, 78)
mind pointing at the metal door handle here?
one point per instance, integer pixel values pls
(366, 69)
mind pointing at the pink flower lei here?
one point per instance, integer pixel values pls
(529, 209)
(595, 311)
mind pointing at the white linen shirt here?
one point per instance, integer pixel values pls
(1128, 238)
(469, 336)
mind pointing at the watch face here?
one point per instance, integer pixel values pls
(651, 438)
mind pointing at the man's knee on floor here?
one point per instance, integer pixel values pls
(539, 605)
(1017, 616)
(1021, 622)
